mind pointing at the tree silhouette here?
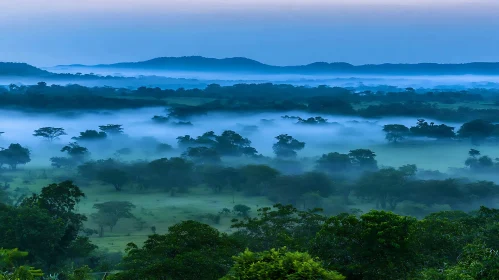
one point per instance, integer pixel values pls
(14, 155)
(287, 146)
(109, 213)
(395, 132)
(50, 133)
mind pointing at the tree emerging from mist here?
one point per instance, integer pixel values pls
(91, 135)
(15, 155)
(112, 129)
(229, 143)
(49, 133)
(287, 146)
(395, 132)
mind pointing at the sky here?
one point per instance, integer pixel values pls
(281, 32)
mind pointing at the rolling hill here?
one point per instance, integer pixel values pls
(245, 65)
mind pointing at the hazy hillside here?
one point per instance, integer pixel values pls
(21, 69)
(24, 73)
(239, 64)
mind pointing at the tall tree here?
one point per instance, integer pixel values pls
(334, 163)
(50, 133)
(287, 146)
(113, 176)
(171, 174)
(109, 213)
(364, 159)
(386, 187)
(14, 155)
(189, 251)
(279, 226)
(476, 130)
(230, 143)
(75, 151)
(395, 132)
(202, 155)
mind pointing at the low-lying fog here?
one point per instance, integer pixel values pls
(117, 82)
(421, 81)
(342, 135)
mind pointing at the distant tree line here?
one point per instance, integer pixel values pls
(259, 98)
(477, 130)
(55, 97)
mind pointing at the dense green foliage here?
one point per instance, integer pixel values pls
(14, 155)
(10, 271)
(190, 250)
(259, 98)
(279, 264)
(374, 245)
(46, 226)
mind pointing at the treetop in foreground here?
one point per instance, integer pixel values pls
(279, 264)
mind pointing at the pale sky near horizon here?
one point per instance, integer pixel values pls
(282, 32)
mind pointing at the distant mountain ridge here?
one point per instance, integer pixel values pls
(22, 73)
(21, 69)
(245, 65)
(241, 64)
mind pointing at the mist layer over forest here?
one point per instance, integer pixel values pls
(341, 80)
(341, 135)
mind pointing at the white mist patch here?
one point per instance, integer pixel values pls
(340, 135)
(340, 80)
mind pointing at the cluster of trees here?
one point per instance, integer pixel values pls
(56, 97)
(334, 174)
(312, 120)
(309, 121)
(177, 175)
(47, 226)
(336, 163)
(14, 155)
(481, 163)
(257, 97)
(280, 242)
(388, 187)
(168, 120)
(476, 130)
(207, 148)
(350, 95)
(209, 254)
(336, 106)
(76, 154)
(382, 245)
(355, 174)
(282, 179)
(210, 145)
(51, 133)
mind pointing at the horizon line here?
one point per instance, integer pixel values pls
(268, 64)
